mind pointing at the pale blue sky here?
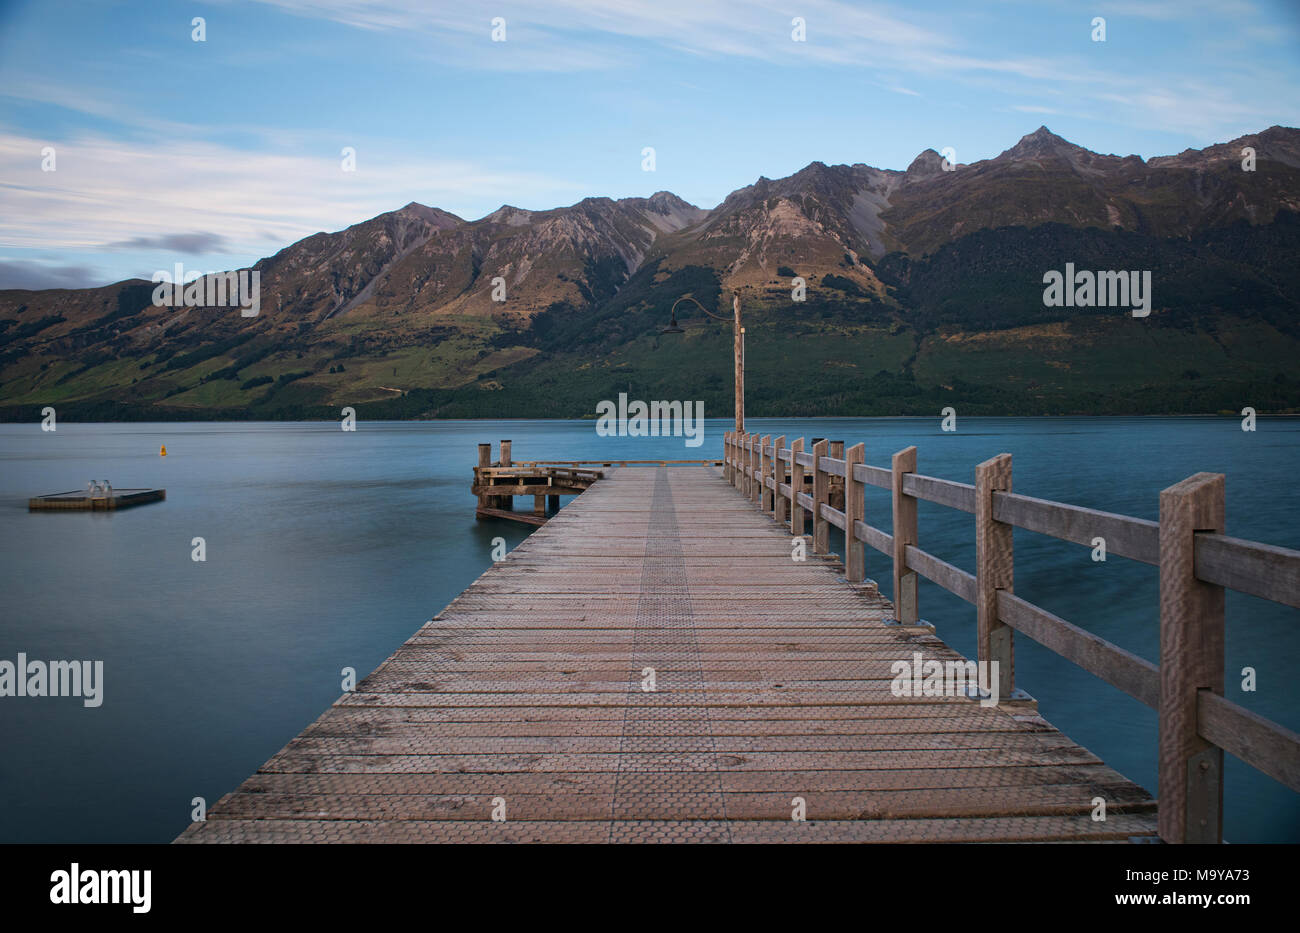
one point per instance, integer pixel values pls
(217, 153)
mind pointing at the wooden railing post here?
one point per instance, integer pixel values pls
(1191, 659)
(821, 494)
(994, 570)
(765, 497)
(738, 476)
(796, 487)
(905, 580)
(780, 506)
(726, 454)
(835, 493)
(752, 489)
(744, 463)
(854, 501)
(505, 453)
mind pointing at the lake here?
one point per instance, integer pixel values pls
(327, 549)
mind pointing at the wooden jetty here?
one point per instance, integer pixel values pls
(656, 665)
(80, 500)
(496, 483)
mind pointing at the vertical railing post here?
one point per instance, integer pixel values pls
(796, 487)
(752, 489)
(739, 480)
(505, 453)
(1191, 659)
(780, 509)
(835, 493)
(994, 570)
(744, 463)
(726, 454)
(821, 493)
(765, 497)
(760, 469)
(854, 503)
(905, 533)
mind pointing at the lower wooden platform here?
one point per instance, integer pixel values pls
(652, 666)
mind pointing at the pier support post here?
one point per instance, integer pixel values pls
(905, 533)
(821, 494)
(854, 503)
(539, 504)
(994, 570)
(780, 507)
(796, 487)
(764, 467)
(505, 453)
(1191, 660)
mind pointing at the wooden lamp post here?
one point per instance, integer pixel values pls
(674, 328)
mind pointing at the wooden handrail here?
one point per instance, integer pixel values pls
(1197, 562)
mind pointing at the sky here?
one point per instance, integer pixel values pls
(218, 152)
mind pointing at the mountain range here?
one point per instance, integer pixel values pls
(923, 289)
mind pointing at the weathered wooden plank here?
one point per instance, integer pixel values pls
(1136, 676)
(945, 492)
(1134, 538)
(1262, 570)
(953, 579)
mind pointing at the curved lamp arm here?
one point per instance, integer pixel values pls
(672, 324)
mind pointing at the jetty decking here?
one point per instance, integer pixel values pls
(527, 697)
(78, 500)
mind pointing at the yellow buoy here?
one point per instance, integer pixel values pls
(162, 451)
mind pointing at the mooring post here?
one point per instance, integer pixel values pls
(796, 487)
(1191, 660)
(994, 570)
(854, 511)
(779, 505)
(821, 494)
(506, 503)
(484, 460)
(905, 533)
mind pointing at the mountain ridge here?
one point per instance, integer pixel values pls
(879, 250)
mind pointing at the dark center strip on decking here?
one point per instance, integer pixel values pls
(658, 738)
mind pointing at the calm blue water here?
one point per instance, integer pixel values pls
(327, 549)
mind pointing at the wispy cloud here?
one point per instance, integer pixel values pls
(193, 243)
(111, 195)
